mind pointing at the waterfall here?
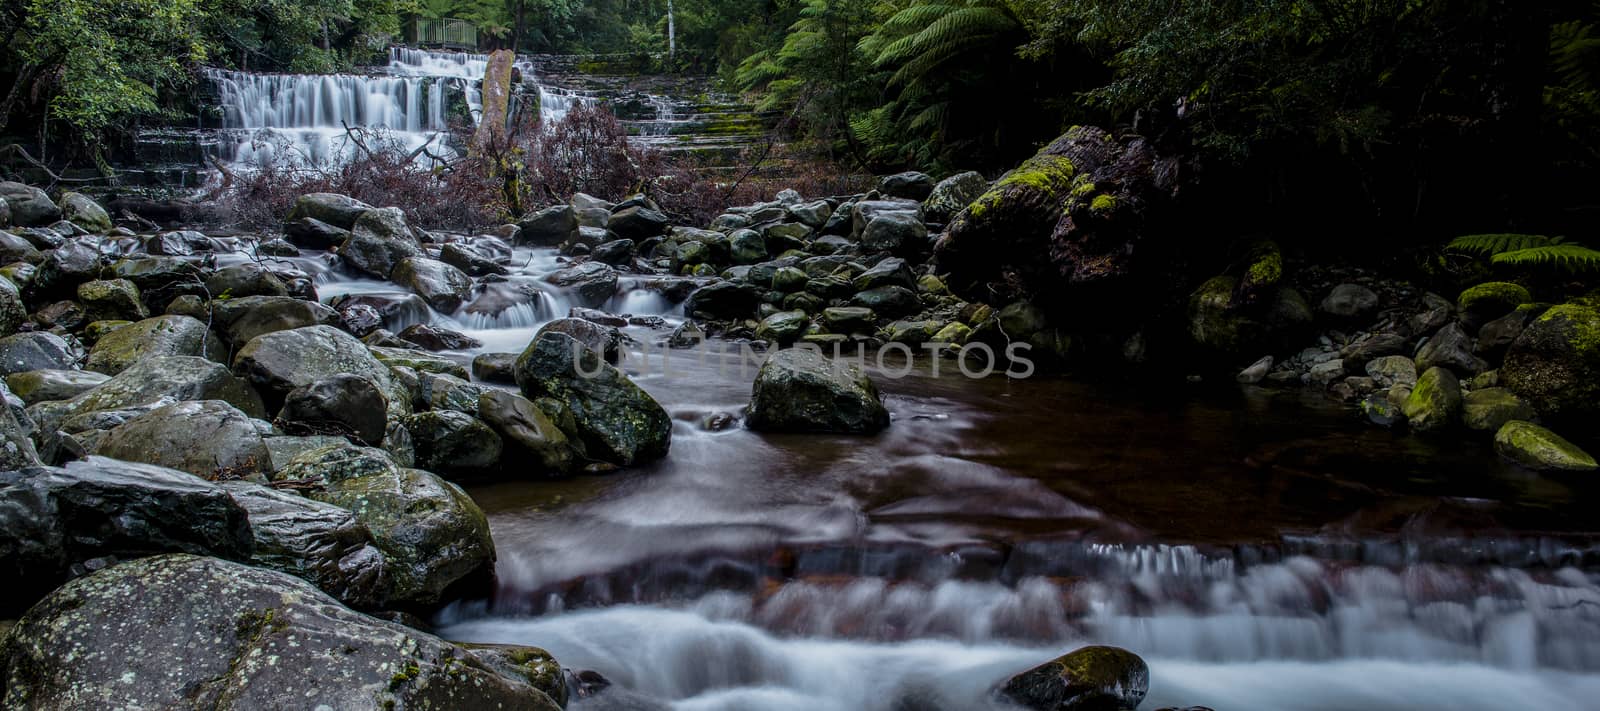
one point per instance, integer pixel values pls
(304, 116)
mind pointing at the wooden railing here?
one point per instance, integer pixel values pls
(446, 32)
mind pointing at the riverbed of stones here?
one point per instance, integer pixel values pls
(281, 474)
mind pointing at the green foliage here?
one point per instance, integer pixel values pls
(1529, 251)
(1574, 258)
(1490, 245)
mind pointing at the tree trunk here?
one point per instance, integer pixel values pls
(672, 33)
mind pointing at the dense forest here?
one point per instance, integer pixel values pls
(1397, 111)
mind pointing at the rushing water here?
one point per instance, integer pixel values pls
(1261, 551)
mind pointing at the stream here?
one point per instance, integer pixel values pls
(1261, 550)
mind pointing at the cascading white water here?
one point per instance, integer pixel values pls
(304, 117)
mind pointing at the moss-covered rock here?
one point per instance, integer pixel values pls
(1488, 409)
(195, 632)
(535, 444)
(784, 327)
(1435, 402)
(111, 300)
(1555, 363)
(1491, 300)
(44, 385)
(278, 362)
(799, 390)
(1095, 678)
(952, 195)
(1538, 448)
(83, 211)
(170, 335)
(1221, 325)
(337, 210)
(454, 443)
(208, 438)
(617, 421)
(435, 537)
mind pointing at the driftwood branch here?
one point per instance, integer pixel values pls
(15, 150)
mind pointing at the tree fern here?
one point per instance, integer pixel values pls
(1490, 245)
(1571, 257)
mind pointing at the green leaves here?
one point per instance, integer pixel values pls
(1529, 251)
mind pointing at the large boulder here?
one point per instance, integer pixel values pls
(175, 377)
(1349, 301)
(891, 301)
(1451, 348)
(1555, 363)
(320, 543)
(170, 335)
(194, 632)
(952, 195)
(312, 233)
(548, 227)
(534, 445)
(605, 340)
(1538, 448)
(893, 232)
(638, 223)
(1435, 402)
(45, 385)
(278, 362)
(112, 300)
(58, 523)
(1491, 300)
(36, 350)
(342, 403)
(617, 421)
(909, 185)
(208, 438)
(591, 283)
(1489, 409)
(83, 211)
(1095, 678)
(336, 210)
(379, 240)
(444, 287)
(240, 320)
(241, 280)
(30, 206)
(723, 300)
(890, 272)
(161, 279)
(435, 538)
(454, 443)
(800, 390)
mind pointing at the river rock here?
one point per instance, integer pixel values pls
(434, 537)
(952, 195)
(890, 272)
(197, 632)
(161, 279)
(723, 300)
(1555, 363)
(12, 311)
(1095, 678)
(1350, 301)
(336, 210)
(112, 300)
(57, 523)
(435, 338)
(16, 249)
(1451, 348)
(893, 232)
(322, 544)
(1256, 372)
(1490, 408)
(278, 362)
(909, 185)
(548, 227)
(420, 361)
(312, 233)
(29, 206)
(16, 429)
(747, 247)
(1497, 336)
(638, 222)
(800, 390)
(1358, 353)
(36, 350)
(83, 211)
(379, 241)
(783, 327)
(444, 287)
(62, 269)
(605, 340)
(1435, 402)
(454, 443)
(45, 385)
(1538, 448)
(1491, 300)
(891, 301)
(176, 377)
(240, 320)
(160, 336)
(1223, 327)
(242, 280)
(1390, 370)
(534, 444)
(616, 420)
(342, 404)
(495, 367)
(592, 283)
(208, 438)
(436, 391)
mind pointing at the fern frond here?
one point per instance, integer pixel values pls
(1493, 244)
(1571, 257)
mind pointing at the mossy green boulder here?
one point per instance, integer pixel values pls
(1487, 409)
(170, 335)
(1538, 448)
(1555, 363)
(800, 390)
(1435, 402)
(617, 420)
(784, 327)
(111, 299)
(1095, 678)
(1491, 300)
